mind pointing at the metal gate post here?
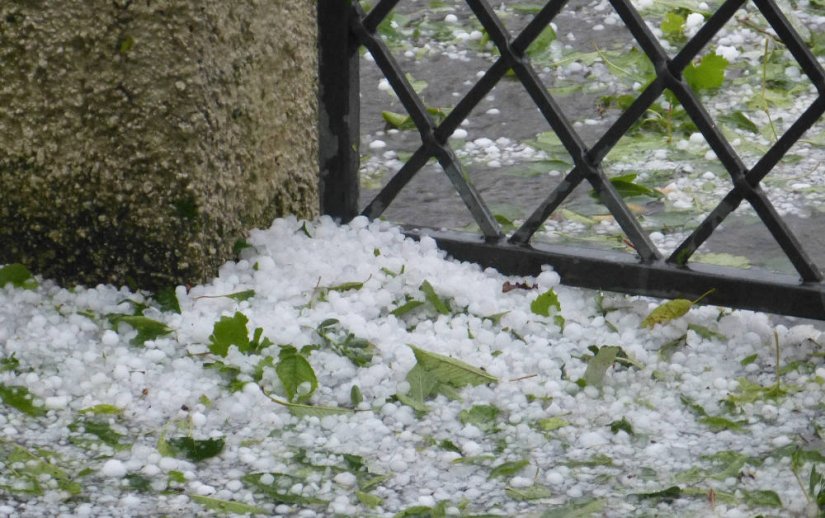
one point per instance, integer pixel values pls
(338, 110)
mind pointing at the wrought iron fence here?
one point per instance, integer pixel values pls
(345, 27)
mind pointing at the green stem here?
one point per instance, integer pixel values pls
(802, 486)
(764, 89)
(776, 346)
(611, 64)
(703, 295)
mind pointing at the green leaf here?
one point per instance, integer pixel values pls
(728, 463)
(580, 508)
(719, 423)
(240, 245)
(450, 371)
(227, 506)
(21, 399)
(815, 482)
(542, 43)
(705, 332)
(9, 364)
(549, 424)
(406, 307)
(673, 25)
(346, 286)
(762, 498)
(167, 299)
(723, 259)
(30, 468)
(229, 331)
(177, 476)
(195, 449)
(529, 493)
(368, 483)
(102, 409)
(666, 495)
(576, 217)
(747, 360)
(449, 445)
(418, 85)
(422, 386)
(667, 350)
(542, 304)
(355, 395)
(241, 295)
(300, 410)
(163, 446)
(666, 312)
(740, 120)
(355, 463)
(139, 483)
(399, 121)
(102, 430)
(478, 460)
(672, 309)
(627, 188)
(482, 417)
(17, 275)
(415, 404)
(495, 318)
(598, 365)
(508, 469)
(440, 305)
(694, 407)
(147, 328)
(750, 392)
(369, 499)
(293, 370)
(709, 74)
(621, 425)
(357, 350)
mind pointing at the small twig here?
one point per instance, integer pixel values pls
(610, 63)
(764, 89)
(752, 25)
(524, 377)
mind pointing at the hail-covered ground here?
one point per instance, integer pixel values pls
(349, 371)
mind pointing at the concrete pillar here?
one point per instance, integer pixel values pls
(139, 140)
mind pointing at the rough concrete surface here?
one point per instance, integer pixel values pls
(139, 140)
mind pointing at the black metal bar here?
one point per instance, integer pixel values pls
(383, 199)
(392, 71)
(568, 136)
(338, 112)
(494, 74)
(603, 270)
(481, 214)
(784, 237)
(596, 154)
(732, 200)
(426, 128)
(378, 13)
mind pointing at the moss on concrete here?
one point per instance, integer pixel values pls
(140, 139)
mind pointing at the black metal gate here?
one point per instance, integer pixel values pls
(345, 27)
